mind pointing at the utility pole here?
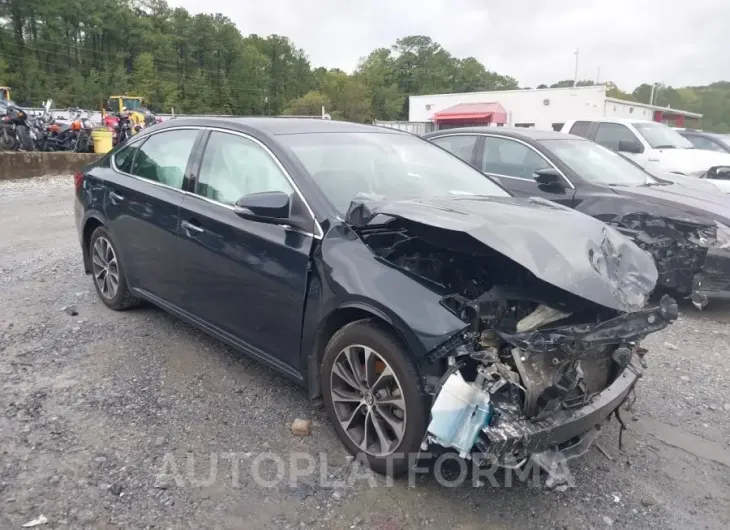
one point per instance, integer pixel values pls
(651, 96)
(575, 76)
(598, 75)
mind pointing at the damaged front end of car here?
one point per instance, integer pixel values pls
(692, 253)
(554, 307)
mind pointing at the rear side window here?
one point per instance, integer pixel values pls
(123, 158)
(460, 145)
(610, 134)
(164, 157)
(581, 128)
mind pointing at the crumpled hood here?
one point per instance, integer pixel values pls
(689, 160)
(693, 202)
(560, 246)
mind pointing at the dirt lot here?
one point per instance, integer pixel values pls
(101, 413)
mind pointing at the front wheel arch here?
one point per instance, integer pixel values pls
(333, 322)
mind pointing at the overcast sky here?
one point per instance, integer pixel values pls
(679, 42)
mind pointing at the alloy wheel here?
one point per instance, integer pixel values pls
(368, 400)
(105, 268)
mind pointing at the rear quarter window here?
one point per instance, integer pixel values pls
(581, 128)
(124, 157)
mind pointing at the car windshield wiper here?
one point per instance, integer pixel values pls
(667, 146)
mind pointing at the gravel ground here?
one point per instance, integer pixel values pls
(138, 420)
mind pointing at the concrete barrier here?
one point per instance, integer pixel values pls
(20, 165)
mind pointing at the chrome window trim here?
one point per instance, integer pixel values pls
(501, 137)
(318, 235)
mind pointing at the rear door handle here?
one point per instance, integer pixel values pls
(115, 197)
(191, 229)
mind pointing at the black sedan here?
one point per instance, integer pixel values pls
(684, 227)
(381, 272)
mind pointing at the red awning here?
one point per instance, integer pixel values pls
(472, 112)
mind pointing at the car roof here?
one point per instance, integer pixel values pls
(700, 133)
(513, 132)
(278, 125)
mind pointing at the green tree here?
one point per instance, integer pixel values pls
(310, 104)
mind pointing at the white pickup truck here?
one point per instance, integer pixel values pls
(657, 148)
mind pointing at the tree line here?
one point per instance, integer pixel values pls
(82, 51)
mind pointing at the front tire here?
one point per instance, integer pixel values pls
(108, 273)
(374, 396)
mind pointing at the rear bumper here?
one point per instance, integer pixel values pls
(527, 437)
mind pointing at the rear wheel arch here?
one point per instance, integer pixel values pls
(341, 317)
(91, 224)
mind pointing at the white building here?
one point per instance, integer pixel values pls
(547, 108)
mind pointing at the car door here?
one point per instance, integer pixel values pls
(142, 206)
(246, 280)
(462, 145)
(513, 163)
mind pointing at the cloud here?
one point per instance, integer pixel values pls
(631, 41)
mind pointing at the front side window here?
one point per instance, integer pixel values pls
(610, 134)
(461, 145)
(234, 166)
(163, 157)
(660, 136)
(346, 166)
(507, 157)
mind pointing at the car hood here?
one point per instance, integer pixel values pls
(694, 202)
(690, 160)
(708, 186)
(570, 250)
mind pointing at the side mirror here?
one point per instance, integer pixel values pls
(630, 146)
(267, 207)
(549, 177)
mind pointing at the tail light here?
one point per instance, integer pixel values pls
(78, 180)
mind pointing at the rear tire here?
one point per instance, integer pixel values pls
(108, 273)
(380, 414)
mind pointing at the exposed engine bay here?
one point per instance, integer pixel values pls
(531, 355)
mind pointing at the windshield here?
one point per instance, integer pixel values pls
(660, 136)
(131, 103)
(596, 164)
(384, 165)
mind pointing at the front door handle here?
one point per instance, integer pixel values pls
(191, 229)
(115, 197)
